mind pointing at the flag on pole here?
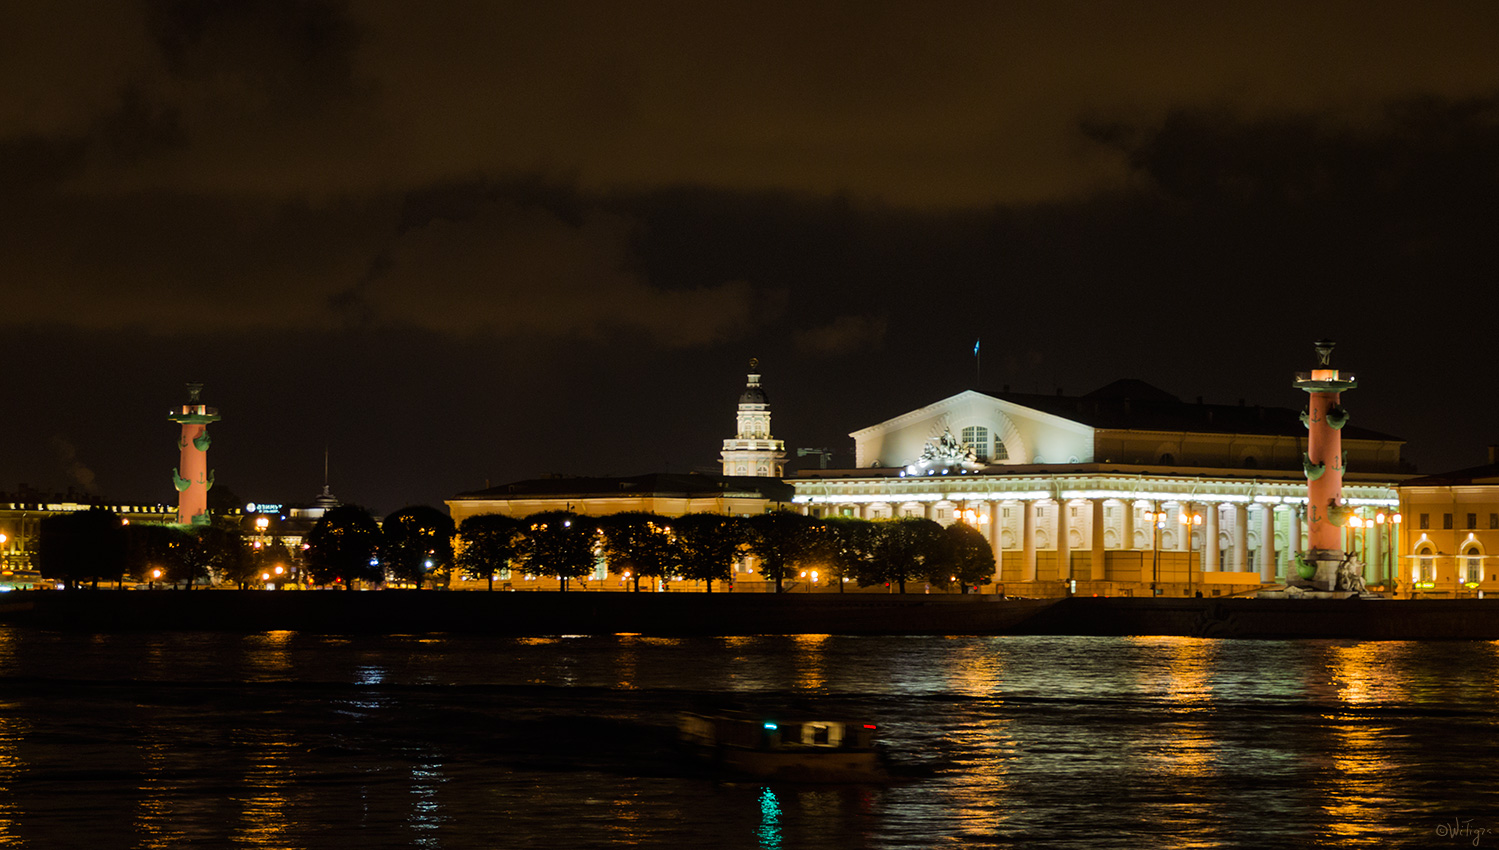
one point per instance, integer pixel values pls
(976, 347)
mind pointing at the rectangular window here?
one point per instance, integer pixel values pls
(1425, 521)
(1074, 510)
(1446, 520)
(1007, 513)
(1493, 520)
(1472, 520)
(941, 513)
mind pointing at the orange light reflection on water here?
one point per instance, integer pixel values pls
(12, 731)
(1358, 795)
(154, 825)
(263, 804)
(810, 661)
(984, 745)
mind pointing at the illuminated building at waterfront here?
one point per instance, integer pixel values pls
(1122, 490)
(1451, 521)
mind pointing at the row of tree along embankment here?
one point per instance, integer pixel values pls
(404, 612)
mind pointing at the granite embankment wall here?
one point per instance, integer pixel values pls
(397, 612)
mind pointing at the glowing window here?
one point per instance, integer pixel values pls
(976, 437)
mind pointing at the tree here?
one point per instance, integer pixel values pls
(965, 556)
(782, 541)
(342, 545)
(709, 545)
(641, 543)
(210, 552)
(850, 549)
(558, 543)
(487, 543)
(82, 546)
(417, 543)
(152, 552)
(902, 549)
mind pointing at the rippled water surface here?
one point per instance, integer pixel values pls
(290, 740)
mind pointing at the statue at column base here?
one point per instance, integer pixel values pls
(1319, 569)
(1351, 576)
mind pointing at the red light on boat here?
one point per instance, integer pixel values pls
(868, 725)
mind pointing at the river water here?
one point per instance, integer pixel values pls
(294, 740)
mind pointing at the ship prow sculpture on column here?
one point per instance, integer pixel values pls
(1324, 568)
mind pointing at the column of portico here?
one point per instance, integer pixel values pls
(1377, 569)
(1097, 572)
(1028, 540)
(994, 537)
(1210, 552)
(1241, 537)
(1127, 526)
(1064, 546)
(1293, 540)
(1184, 539)
(1267, 545)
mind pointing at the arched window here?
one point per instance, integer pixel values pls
(976, 437)
(1000, 452)
(1167, 458)
(1472, 565)
(1426, 566)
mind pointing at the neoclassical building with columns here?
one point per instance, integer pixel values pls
(1127, 490)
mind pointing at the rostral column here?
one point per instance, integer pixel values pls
(192, 477)
(1324, 461)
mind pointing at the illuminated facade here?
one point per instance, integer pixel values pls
(661, 493)
(1124, 490)
(1451, 523)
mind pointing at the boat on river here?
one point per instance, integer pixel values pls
(798, 748)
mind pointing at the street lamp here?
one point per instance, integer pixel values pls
(1189, 519)
(1157, 519)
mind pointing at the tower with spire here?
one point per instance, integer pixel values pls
(752, 451)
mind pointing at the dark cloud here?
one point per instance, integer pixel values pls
(463, 241)
(844, 335)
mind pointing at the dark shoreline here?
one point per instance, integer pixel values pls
(681, 614)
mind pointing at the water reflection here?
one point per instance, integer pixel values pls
(154, 825)
(809, 661)
(7, 648)
(268, 655)
(426, 811)
(1359, 795)
(769, 830)
(263, 817)
(983, 747)
(12, 732)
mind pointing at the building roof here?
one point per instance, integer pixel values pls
(1133, 405)
(1486, 474)
(661, 484)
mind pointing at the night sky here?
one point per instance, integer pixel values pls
(459, 243)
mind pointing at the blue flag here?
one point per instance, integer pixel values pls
(976, 348)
